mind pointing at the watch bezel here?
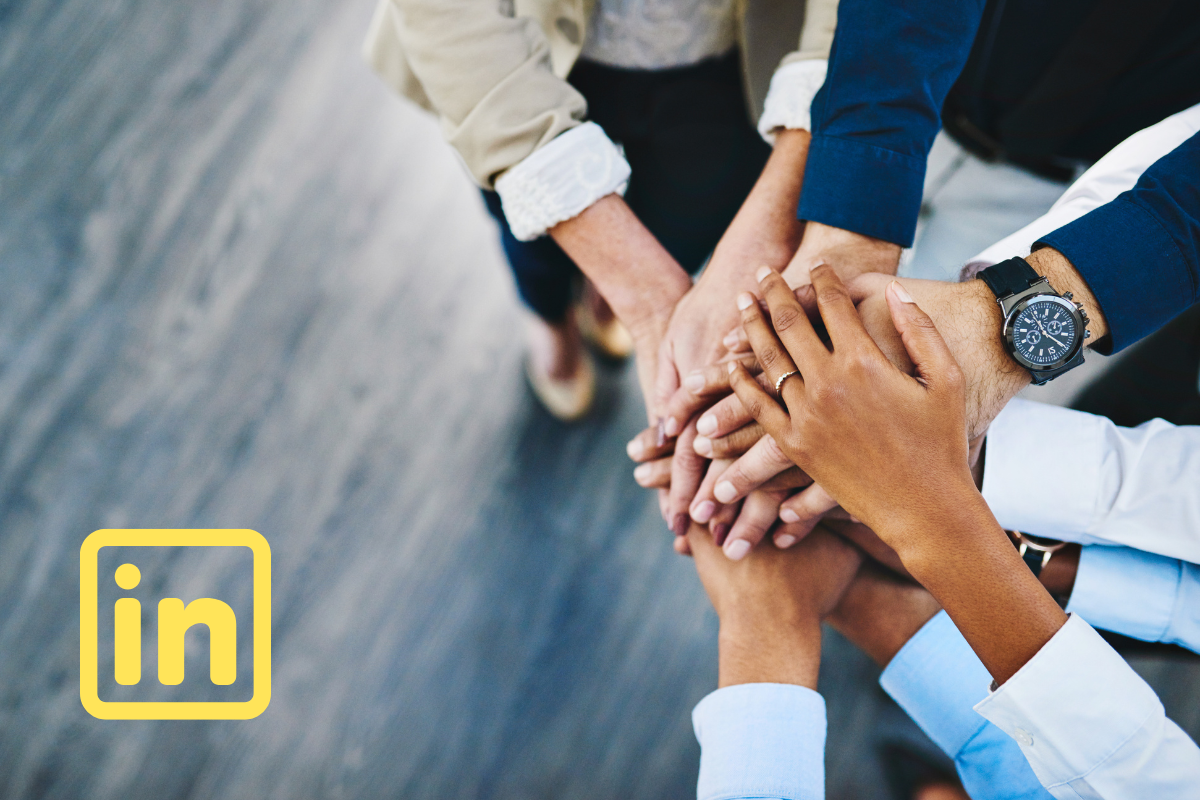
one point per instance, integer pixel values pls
(1024, 303)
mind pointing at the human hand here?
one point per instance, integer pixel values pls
(770, 605)
(850, 254)
(968, 320)
(765, 231)
(889, 446)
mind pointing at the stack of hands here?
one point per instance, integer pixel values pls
(858, 414)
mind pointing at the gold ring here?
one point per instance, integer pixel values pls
(779, 381)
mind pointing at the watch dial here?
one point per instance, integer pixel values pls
(1044, 332)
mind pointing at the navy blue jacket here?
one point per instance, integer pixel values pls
(892, 64)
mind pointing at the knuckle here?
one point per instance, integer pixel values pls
(828, 295)
(785, 317)
(769, 357)
(773, 453)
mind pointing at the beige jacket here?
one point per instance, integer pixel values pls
(495, 70)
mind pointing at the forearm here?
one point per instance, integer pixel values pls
(968, 564)
(633, 272)
(770, 206)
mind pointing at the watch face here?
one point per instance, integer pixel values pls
(1045, 332)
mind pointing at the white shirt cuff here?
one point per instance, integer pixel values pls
(937, 679)
(1126, 591)
(789, 100)
(1038, 489)
(560, 179)
(1083, 718)
(761, 740)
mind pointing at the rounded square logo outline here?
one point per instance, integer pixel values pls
(89, 643)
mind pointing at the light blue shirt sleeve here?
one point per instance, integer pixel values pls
(1138, 594)
(762, 741)
(937, 679)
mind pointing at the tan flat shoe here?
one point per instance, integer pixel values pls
(610, 338)
(567, 400)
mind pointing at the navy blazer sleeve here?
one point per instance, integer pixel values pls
(892, 64)
(1140, 254)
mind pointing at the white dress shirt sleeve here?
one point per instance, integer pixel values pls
(761, 740)
(937, 679)
(789, 99)
(559, 180)
(1116, 172)
(1068, 475)
(1090, 726)
(1138, 594)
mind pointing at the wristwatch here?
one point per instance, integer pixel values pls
(1043, 330)
(1035, 551)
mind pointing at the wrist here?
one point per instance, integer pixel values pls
(633, 272)
(752, 653)
(1063, 277)
(849, 254)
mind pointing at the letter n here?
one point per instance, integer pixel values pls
(173, 623)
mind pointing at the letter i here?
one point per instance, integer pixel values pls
(127, 638)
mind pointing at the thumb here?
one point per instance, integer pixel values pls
(928, 350)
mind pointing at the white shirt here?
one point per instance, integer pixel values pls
(1064, 474)
(1116, 172)
(1089, 726)
(659, 34)
(1085, 723)
(560, 180)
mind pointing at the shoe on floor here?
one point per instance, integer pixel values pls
(610, 338)
(568, 400)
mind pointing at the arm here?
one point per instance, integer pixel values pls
(874, 120)
(762, 734)
(1080, 714)
(1137, 594)
(1158, 221)
(1070, 475)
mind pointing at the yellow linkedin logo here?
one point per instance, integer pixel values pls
(174, 620)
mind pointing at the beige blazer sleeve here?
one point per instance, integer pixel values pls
(486, 73)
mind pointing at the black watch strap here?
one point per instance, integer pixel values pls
(1035, 559)
(1009, 277)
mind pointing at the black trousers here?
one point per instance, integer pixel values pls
(695, 155)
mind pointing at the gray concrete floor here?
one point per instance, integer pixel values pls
(243, 286)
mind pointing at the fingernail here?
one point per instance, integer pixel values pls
(724, 492)
(680, 526)
(660, 433)
(707, 424)
(720, 531)
(901, 292)
(730, 341)
(702, 445)
(787, 515)
(642, 474)
(671, 427)
(704, 511)
(635, 448)
(732, 367)
(784, 540)
(736, 549)
(744, 301)
(694, 382)
(762, 273)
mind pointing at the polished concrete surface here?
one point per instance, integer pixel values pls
(242, 286)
